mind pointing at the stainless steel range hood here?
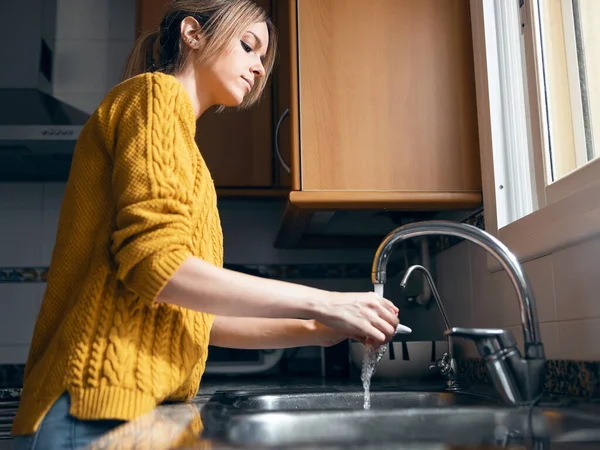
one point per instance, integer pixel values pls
(38, 132)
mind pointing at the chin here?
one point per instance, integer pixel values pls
(233, 99)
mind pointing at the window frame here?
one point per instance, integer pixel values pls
(567, 211)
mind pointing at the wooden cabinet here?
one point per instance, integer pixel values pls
(148, 14)
(383, 108)
(382, 111)
(237, 145)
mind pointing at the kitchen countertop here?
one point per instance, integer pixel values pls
(180, 425)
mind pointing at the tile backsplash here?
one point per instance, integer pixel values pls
(565, 285)
(93, 39)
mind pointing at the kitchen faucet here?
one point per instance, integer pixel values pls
(518, 379)
(447, 363)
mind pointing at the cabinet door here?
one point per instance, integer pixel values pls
(237, 145)
(149, 13)
(387, 96)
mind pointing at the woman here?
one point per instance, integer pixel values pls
(136, 289)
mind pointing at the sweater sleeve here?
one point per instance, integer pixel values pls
(153, 179)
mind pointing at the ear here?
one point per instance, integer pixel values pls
(191, 33)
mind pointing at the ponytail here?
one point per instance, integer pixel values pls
(144, 55)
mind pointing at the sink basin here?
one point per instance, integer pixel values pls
(335, 418)
(461, 425)
(308, 401)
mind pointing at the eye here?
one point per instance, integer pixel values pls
(246, 47)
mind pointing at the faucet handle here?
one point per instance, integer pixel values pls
(488, 341)
(498, 348)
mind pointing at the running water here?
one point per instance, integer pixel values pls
(371, 358)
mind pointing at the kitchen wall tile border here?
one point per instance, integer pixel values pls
(563, 377)
(275, 271)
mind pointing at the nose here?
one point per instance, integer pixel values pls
(258, 69)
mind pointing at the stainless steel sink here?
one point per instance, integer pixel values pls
(458, 426)
(335, 418)
(346, 400)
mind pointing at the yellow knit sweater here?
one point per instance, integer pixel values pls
(139, 201)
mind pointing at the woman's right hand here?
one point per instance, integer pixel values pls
(364, 316)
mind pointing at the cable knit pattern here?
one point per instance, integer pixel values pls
(139, 201)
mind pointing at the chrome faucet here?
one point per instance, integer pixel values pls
(518, 379)
(446, 364)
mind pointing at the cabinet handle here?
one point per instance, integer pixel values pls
(277, 152)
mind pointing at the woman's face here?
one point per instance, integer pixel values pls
(232, 75)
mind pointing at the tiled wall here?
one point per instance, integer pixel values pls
(93, 39)
(565, 285)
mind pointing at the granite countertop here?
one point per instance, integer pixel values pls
(178, 425)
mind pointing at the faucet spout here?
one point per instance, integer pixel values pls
(508, 261)
(516, 378)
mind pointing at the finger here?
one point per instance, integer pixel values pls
(391, 307)
(387, 315)
(374, 334)
(387, 303)
(363, 340)
(387, 329)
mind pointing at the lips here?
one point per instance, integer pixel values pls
(250, 83)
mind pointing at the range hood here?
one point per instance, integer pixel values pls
(38, 132)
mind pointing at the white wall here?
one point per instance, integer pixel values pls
(565, 285)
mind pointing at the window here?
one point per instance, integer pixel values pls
(567, 56)
(537, 68)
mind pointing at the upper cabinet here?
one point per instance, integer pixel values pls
(383, 108)
(371, 106)
(148, 14)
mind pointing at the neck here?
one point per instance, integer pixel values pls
(200, 100)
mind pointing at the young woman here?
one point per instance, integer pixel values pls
(136, 289)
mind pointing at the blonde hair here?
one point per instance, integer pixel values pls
(162, 50)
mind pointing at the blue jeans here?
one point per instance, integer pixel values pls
(60, 430)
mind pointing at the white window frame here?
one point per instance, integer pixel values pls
(567, 211)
